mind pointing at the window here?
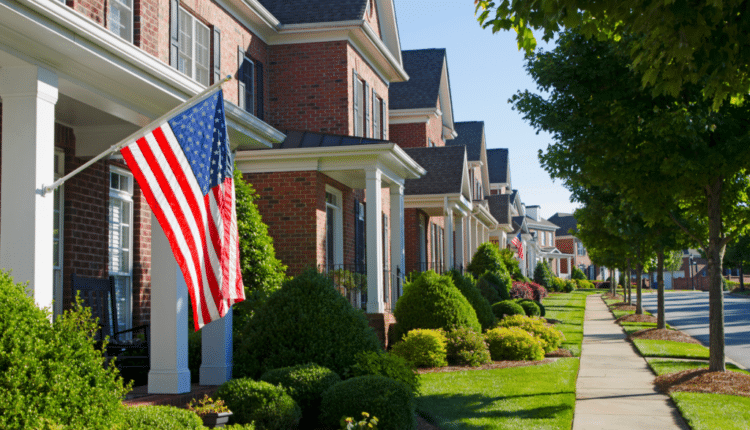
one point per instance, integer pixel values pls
(121, 18)
(580, 250)
(245, 77)
(334, 229)
(361, 113)
(377, 115)
(57, 238)
(194, 44)
(120, 240)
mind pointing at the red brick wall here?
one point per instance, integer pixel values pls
(413, 135)
(93, 9)
(356, 62)
(146, 25)
(372, 18)
(435, 128)
(141, 258)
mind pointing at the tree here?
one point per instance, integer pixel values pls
(677, 44)
(609, 131)
(737, 255)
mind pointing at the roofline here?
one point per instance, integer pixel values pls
(411, 116)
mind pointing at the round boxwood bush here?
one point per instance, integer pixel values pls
(488, 291)
(432, 301)
(552, 338)
(161, 418)
(530, 308)
(306, 321)
(466, 347)
(487, 258)
(305, 383)
(481, 306)
(391, 401)
(268, 406)
(52, 374)
(507, 307)
(514, 343)
(423, 348)
(568, 285)
(386, 364)
(501, 282)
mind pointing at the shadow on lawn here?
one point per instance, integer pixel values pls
(446, 411)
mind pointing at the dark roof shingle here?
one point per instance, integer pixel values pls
(470, 135)
(497, 164)
(500, 207)
(445, 168)
(566, 222)
(309, 139)
(425, 69)
(311, 11)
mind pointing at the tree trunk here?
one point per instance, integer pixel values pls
(630, 285)
(715, 254)
(661, 322)
(639, 289)
(742, 277)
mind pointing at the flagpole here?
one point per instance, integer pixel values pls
(191, 101)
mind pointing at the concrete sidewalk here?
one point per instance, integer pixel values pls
(615, 385)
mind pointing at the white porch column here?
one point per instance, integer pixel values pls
(557, 263)
(460, 245)
(398, 258)
(570, 268)
(374, 222)
(448, 242)
(473, 235)
(169, 319)
(469, 241)
(28, 95)
(216, 351)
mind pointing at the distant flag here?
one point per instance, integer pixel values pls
(184, 167)
(516, 241)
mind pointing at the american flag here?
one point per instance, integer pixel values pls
(516, 241)
(184, 167)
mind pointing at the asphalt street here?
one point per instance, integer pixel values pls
(688, 311)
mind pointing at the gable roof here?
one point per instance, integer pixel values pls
(425, 69)
(542, 223)
(311, 11)
(445, 170)
(499, 168)
(470, 135)
(499, 205)
(566, 222)
(309, 139)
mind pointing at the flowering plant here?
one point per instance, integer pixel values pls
(207, 405)
(366, 422)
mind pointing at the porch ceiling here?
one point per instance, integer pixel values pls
(436, 204)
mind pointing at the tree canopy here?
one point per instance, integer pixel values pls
(674, 44)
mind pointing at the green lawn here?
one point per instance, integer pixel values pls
(538, 397)
(668, 348)
(714, 411)
(569, 309)
(662, 367)
(632, 327)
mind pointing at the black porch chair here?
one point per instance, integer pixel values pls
(98, 294)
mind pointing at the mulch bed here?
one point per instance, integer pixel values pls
(493, 365)
(703, 381)
(663, 334)
(561, 352)
(623, 307)
(636, 318)
(610, 296)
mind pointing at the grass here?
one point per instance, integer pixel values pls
(569, 309)
(671, 349)
(713, 411)
(632, 327)
(538, 397)
(662, 367)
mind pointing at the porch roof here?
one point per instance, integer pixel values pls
(446, 168)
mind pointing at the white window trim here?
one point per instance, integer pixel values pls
(338, 225)
(126, 195)
(192, 73)
(125, 11)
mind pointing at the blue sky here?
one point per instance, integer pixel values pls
(485, 71)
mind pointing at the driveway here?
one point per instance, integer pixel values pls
(688, 311)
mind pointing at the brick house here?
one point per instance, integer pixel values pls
(546, 249)
(106, 69)
(567, 243)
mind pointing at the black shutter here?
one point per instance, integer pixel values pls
(174, 32)
(368, 130)
(259, 89)
(240, 78)
(356, 102)
(216, 43)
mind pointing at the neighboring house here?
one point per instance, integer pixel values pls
(567, 243)
(499, 200)
(545, 249)
(499, 171)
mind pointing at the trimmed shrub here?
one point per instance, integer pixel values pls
(306, 321)
(530, 308)
(488, 291)
(499, 281)
(432, 301)
(423, 348)
(161, 418)
(577, 274)
(268, 406)
(542, 311)
(511, 264)
(521, 290)
(239, 427)
(52, 375)
(487, 258)
(465, 285)
(551, 337)
(514, 343)
(305, 383)
(537, 291)
(466, 347)
(507, 307)
(543, 275)
(568, 285)
(386, 364)
(391, 401)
